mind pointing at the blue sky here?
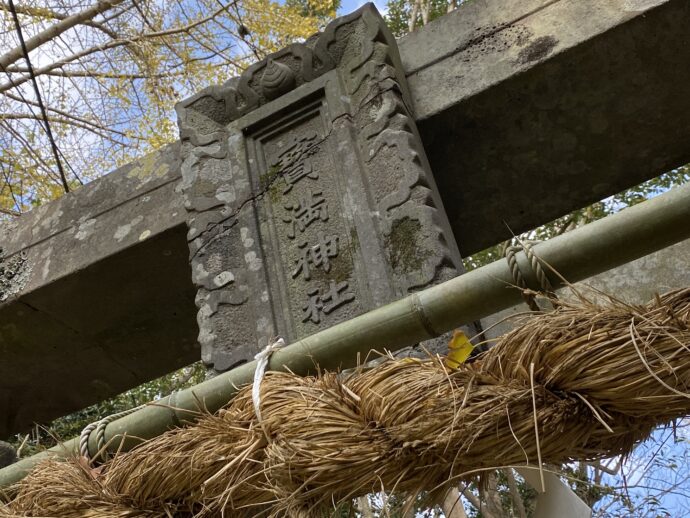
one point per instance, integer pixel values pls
(347, 6)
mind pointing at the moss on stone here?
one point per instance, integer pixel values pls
(354, 241)
(403, 245)
(266, 180)
(274, 193)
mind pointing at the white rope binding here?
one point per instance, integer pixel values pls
(262, 362)
(100, 425)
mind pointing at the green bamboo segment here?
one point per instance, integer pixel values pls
(576, 255)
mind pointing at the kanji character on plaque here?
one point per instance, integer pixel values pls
(335, 296)
(294, 162)
(313, 307)
(310, 207)
(316, 256)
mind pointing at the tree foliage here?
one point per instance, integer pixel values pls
(110, 73)
(577, 218)
(403, 16)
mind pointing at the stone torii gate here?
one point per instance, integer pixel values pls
(305, 191)
(297, 219)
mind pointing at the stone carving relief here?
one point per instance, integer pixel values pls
(309, 196)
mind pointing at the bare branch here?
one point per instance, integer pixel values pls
(12, 83)
(8, 183)
(44, 12)
(60, 72)
(514, 493)
(10, 212)
(55, 30)
(38, 159)
(96, 125)
(93, 128)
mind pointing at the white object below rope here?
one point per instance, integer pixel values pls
(261, 364)
(555, 499)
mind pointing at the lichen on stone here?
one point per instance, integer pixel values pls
(12, 274)
(403, 245)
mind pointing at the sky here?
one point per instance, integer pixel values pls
(347, 6)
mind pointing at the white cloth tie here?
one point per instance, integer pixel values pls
(262, 362)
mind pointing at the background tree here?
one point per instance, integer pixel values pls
(104, 78)
(577, 218)
(403, 16)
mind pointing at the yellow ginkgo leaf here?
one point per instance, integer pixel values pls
(459, 349)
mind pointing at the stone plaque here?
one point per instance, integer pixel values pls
(306, 227)
(309, 196)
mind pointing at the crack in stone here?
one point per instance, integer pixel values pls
(367, 100)
(251, 199)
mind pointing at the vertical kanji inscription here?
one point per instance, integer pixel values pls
(304, 211)
(310, 208)
(309, 195)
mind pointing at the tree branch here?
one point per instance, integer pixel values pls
(10, 212)
(55, 30)
(97, 125)
(515, 493)
(13, 83)
(93, 128)
(60, 72)
(37, 158)
(44, 12)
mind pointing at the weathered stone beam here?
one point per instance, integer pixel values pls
(527, 109)
(531, 109)
(106, 300)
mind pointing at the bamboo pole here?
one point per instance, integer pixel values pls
(576, 255)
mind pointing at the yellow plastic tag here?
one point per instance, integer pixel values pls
(459, 349)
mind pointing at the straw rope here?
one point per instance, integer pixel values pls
(99, 427)
(535, 264)
(592, 379)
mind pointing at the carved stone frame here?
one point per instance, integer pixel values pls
(349, 84)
